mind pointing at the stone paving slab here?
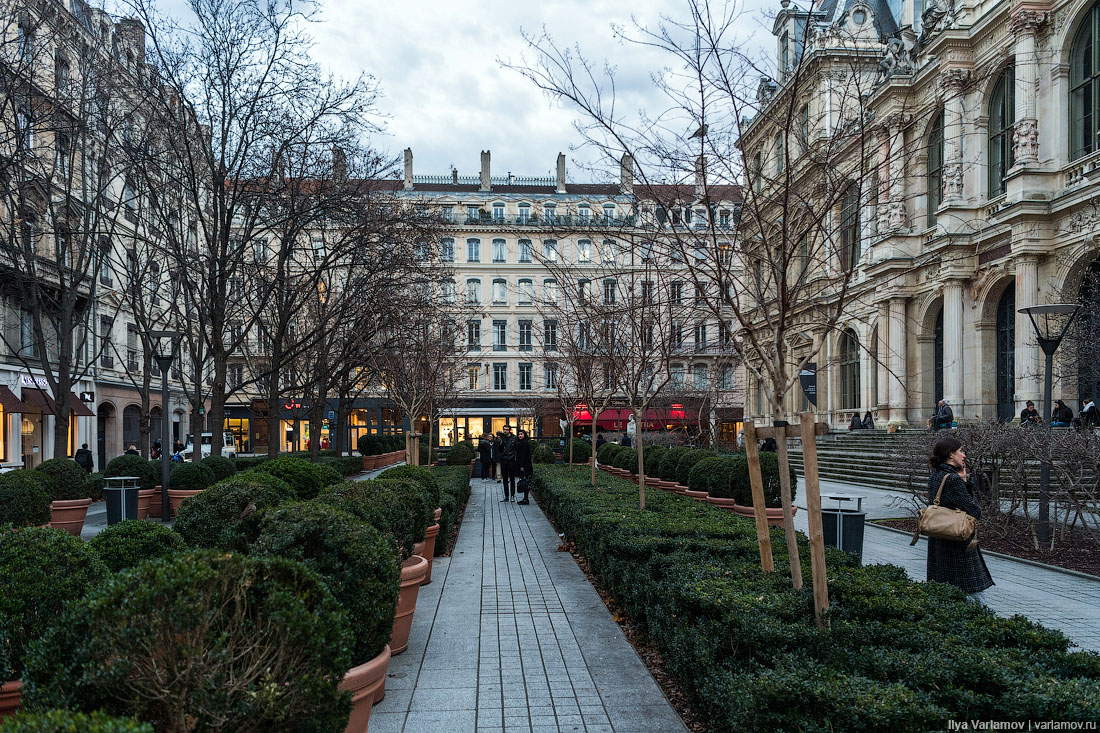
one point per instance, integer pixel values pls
(511, 636)
(1057, 600)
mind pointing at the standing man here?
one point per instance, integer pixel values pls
(485, 452)
(508, 463)
(83, 458)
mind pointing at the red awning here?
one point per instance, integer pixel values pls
(42, 403)
(11, 403)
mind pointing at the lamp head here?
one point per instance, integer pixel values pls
(1051, 322)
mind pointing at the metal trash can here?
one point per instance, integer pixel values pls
(843, 526)
(121, 493)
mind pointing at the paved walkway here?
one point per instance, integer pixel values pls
(1057, 600)
(510, 636)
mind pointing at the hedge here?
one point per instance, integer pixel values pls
(687, 460)
(730, 480)
(700, 475)
(454, 484)
(222, 466)
(670, 461)
(67, 480)
(344, 465)
(543, 454)
(652, 459)
(67, 721)
(421, 475)
(130, 542)
(582, 451)
(898, 655)
(241, 644)
(460, 455)
(210, 519)
(385, 506)
(606, 453)
(625, 459)
(147, 471)
(249, 463)
(190, 476)
(303, 476)
(24, 499)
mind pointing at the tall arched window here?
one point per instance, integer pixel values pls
(937, 359)
(1002, 114)
(1006, 355)
(1084, 87)
(849, 370)
(1086, 334)
(935, 168)
(849, 227)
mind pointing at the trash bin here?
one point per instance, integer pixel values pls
(121, 493)
(843, 526)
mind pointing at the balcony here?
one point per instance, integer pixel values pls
(562, 220)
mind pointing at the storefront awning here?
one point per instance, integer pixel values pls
(42, 403)
(11, 403)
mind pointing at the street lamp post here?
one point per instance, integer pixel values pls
(165, 344)
(1050, 323)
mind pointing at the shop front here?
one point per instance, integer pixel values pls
(472, 422)
(36, 423)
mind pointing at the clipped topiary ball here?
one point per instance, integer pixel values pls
(93, 486)
(419, 474)
(606, 453)
(687, 460)
(41, 570)
(418, 503)
(210, 519)
(652, 460)
(670, 460)
(190, 476)
(68, 721)
(24, 499)
(241, 644)
(302, 475)
(581, 451)
(460, 455)
(222, 466)
(130, 542)
(147, 471)
(699, 477)
(66, 479)
(356, 563)
(542, 454)
(328, 474)
(626, 459)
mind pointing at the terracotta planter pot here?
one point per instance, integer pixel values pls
(429, 550)
(155, 503)
(667, 485)
(775, 516)
(697, 495)
(10, 695)
(176, 497)
(653, 482)
(370, 463)
(366, 683)
(69, 514)
(680, 489)
(418, 548)
(439, 512)
(721, 503)
(145, 496)
(412, 575)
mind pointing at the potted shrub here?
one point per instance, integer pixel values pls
(425, 479)
(582, 451)
(24, 499)
(210, 519)
(735, 494)
(131, 542)
(360, 569)
(222, 466)
(148, 472)
(669, 461)
(282, 640)
(68, 493)
(542, 454)
(461, 455)
(687, 460)
(303, 476)
(57, 721)
(43, 570)
(700, 476)
(187, 480)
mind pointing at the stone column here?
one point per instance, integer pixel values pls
(953, 332)
(882, 363)
(954, 83)
(1025, 25)
(1028, 369)
(897, 214)
(899, 377)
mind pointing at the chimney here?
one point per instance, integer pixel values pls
(561, 173)
(133, 33)
(486, 184)
(700, 178)
(626, 174)
(339, 165)
(408, 169)
(454, 176)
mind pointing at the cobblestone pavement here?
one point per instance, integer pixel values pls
(510, 636)
(1057, 600)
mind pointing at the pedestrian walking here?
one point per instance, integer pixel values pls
(959, 563)
(523, 465)
(83, 458)
(600, 440)
(1029, 415)
(508, 463)
(496, 456)
(485, 454)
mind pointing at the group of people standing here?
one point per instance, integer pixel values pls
(509, 457)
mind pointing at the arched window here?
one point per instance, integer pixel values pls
(1006, 355)
(1086, 334)
(849, 370)
(935, 168)
(1002, 113)
(131, 426)
(937, 359)
(1084, 87)
(849, 227)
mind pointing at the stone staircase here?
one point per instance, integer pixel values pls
(864, 457)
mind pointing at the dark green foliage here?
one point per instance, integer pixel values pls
(210, 519)
(66, 479)
(460, 455)
(582, 451)
(701, 474)
(248, 464)
(328, 474)
(190, 476)
(670, 461)
(241, 643)
(67, 721)
(418, 503)
(130, 542)
(388, 506)
(356, 563)
(24, 499)
(606, 453)
(898, 655)
(421, 475)
(543, 454)
(732, 480)
(222, 466)
(344, 465)
(687, 460)
(454, 483)
(93, 486)
(147, 471)
(652, 460)
(41, 570)
(626, 459)
(302, 475)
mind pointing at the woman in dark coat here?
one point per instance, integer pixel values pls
(523, 463)
(949, 561)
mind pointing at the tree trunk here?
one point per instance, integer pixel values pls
(593, 449)
(316, 415)
(641, 468)
(788, 512)
(146, 406)
(341, 423)
(274, 429)
(216, 416)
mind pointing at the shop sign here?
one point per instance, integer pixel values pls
(807, 378)
(87, 396)
(29, 381)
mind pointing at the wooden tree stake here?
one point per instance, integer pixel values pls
(813, 515)
(788, 510)
(763, 536)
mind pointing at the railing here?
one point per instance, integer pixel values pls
(1078, 174)
(566, 220)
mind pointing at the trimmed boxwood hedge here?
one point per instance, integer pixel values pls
(687, 461)
(93, 486)
(731, 480)
(606, 453)
(222, 466)
(670, 461)
(582, 451)
(700, 475)
(626, 459)
(898, 655)
(41, 571)
(422, 475)
(210, 519)
(24, 499)
(130, 542)
(190, 476)
(242, 644)
(543, 454)
(356, 563)
(344, 465)
(68, 721)
(147, 471)
(460, 455)
(384, 505)
(454, 482)
(247, 463)
(67, 480)
(303, 476)
(652, 459)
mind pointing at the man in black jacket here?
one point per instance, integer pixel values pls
(83, 458)
(508, 463)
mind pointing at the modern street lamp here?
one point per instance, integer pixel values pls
(165, 344)
(1051, 322)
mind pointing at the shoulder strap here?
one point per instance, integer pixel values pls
(939, 493)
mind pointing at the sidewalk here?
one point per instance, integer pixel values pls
(510, 636)
(1057, 600)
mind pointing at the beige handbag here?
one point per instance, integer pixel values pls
(946, 524)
